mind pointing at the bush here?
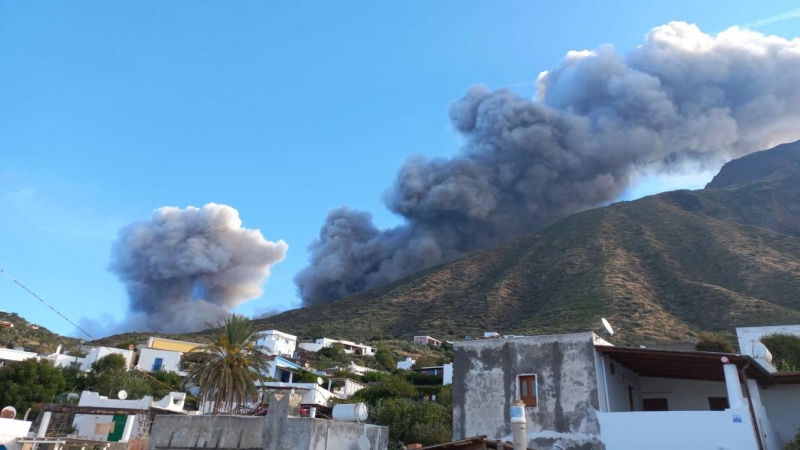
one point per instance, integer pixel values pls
(794, 444)
(713, 342)
(785, 349)
(384, 356)
(391, 386)
(412, 421)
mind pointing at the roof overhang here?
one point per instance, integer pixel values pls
(687, 365)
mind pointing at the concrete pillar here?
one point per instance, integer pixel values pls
(126, 433)
(734, 386)
(291, 376)
(518, 436)
(755, 395)
(312, 412)
(45, 423)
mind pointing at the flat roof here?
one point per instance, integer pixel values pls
(687, 365)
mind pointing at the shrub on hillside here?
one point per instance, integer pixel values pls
(713, 342)
(785, 349)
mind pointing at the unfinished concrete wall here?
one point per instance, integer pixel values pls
(485, 385)
(281, 429)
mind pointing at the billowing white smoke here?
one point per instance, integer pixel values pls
(599, 119)
(186, 267)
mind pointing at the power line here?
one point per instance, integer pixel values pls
(75, 325)
(46, 304)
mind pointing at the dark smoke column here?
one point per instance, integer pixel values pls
(682, 100)
(186, 267)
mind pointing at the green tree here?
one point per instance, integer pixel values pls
(390, 386)
(385, 357)
(109, 375)
(785, 349)
(25, 384)
(230, 365)
(412, 421)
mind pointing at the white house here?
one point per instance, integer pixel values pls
(64, 360)
(349, 347)
(277, 343)
(165, 355)
(406, 364)
(114, 427)
(427, 340)
(579, 391)
(16, 354)
(99, 352)
(11, 430)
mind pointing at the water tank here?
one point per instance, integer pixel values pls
(354, 412)
(760, 351)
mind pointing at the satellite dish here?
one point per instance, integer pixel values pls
(364, 443)
(607, 326)
(320, 381)
(122, 395)
(9, 412)
(306, 365)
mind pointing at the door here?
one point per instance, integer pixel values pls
(527, 390)
(631, 398)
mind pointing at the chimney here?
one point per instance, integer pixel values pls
(518, 436)
(58, 349)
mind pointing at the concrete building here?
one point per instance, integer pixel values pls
(11, 430)
(165, 355)
(282, 428)
(349, 347)
(427, 340)
(582, 393)
(116, 427)
(64, 360)
(277, 343)
(99, 352)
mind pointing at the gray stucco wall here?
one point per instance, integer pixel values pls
(485, 385)
(281, 429)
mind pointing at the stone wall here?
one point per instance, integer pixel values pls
(485, 385)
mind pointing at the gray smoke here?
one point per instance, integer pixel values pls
(598, 121)
(186, 267)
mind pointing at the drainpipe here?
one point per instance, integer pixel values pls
(518, 437)
(752, 410)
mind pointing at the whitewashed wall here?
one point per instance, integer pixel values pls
(683, 395)
(10, 430)
(171, 360)
(672, 430)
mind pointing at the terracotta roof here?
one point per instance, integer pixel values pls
(688, 365)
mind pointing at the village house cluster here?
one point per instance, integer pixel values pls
(570, 391)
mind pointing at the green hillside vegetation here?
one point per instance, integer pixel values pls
(33, 337)
(661, 269)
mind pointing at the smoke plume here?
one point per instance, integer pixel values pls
(186, 267)
(598, 120)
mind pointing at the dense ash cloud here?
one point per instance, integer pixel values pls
(598, 121)
(186, 267)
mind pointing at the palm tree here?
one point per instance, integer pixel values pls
(230, 366)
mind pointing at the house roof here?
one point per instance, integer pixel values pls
(786, 377)
(688, 365)
(474, 443)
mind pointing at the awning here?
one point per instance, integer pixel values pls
(687, 365)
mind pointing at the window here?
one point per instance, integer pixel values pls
(717, 403)
(157, 364)
(655, 404)
(527, 390)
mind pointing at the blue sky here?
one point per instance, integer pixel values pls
(109, 110)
